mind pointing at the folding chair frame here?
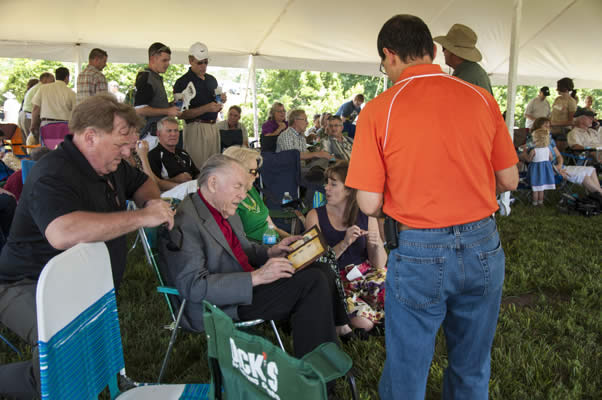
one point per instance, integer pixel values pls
(177, 318)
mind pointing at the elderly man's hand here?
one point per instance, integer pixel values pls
(282, 248)
(157, 212)
(274, 269)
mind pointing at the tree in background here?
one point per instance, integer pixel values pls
(18, 71)
(315, 92)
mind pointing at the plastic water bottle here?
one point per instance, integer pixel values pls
(270, 236)
(287, 198)
(218, 94)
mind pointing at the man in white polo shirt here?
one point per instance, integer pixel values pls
(53, 102)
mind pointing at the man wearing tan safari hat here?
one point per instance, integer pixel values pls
(461, 53)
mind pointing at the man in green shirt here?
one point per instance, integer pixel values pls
(461, 53)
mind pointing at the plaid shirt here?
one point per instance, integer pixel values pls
(290, 139)
(90, 82)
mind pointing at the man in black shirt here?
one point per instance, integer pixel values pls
(151, 99)
(201, 136)
(172, 165)
(76, 193)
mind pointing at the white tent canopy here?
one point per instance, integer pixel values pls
(557, 37)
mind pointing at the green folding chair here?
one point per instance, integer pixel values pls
(245, 366)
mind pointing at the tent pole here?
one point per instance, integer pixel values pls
(511, 93)
(248, 79)
(78, 65)
(253, 76)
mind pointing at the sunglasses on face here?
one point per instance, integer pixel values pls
(201, 62)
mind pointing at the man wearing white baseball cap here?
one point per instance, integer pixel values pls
(461, 53)
(201, 136)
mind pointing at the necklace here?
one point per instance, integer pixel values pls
(253, 207)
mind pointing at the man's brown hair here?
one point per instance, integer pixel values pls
(99, 112)
(97, 53)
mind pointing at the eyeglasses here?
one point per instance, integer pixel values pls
(205, 61)
(382, 68)
(254, 171)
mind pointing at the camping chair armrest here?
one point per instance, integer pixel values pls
(329, 361)
(168, 290)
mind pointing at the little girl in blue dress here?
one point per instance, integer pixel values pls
(541, 171)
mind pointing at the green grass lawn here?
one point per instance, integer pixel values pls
(548, 341)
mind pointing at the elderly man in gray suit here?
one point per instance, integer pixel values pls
(208, 257)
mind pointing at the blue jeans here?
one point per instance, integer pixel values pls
(451, 276)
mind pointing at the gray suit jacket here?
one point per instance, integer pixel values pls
(204, 267)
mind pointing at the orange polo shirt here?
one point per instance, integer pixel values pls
(431, 144)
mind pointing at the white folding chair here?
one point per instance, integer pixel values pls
(78, 331)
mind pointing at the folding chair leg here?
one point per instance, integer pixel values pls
(277, 335)
(5, 340)
(352, 386)
(172, 340)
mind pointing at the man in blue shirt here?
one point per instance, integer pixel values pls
(351, 109)
(201, 136)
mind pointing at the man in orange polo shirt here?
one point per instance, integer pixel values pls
(436, 175)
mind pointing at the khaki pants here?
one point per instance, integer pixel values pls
(24, 123)
(201, 141)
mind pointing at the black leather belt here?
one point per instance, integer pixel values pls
(203, 121)
(54, 120)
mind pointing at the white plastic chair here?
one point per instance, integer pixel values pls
(78, 331)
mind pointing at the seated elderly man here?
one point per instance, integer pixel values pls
(293, 139)
(582, 135)
(208, 257)
(170, 164)
(337, 144)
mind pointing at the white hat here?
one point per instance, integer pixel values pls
(199, 51)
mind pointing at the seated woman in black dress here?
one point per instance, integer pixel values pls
(359, 249)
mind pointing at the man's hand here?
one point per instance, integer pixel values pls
(142, 148)
(157, 212)
(323, 154)
(274, 269)
(173, 111)
(374, 239)
(213, 107)
(4, 191)
(282, 249)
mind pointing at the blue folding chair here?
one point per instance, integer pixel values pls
(26, 166)
(79, 339)
(281, 173)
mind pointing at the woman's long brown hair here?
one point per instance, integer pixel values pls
(339, 172)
